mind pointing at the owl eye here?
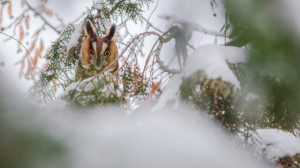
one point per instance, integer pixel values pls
(107, 53)
(91, 52)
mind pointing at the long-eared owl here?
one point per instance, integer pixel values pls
(96, 53)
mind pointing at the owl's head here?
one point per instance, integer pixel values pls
(96, 51)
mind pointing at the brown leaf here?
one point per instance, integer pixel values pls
(27, 22)
(155, 87)
(1, 13)
(21, 34)
(221, 30)
(9, 10)
(36, 33)
(49, 13)
(54, 83)
(35, 59)
(45, 67)
(32, 47)
(41, 46)
(38, 53)
(16, 25)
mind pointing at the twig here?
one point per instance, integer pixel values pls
(60, 19)
(28, 53)
(201, 29)
(38, 14)
(152, 25)
(15, 20)
(159, 61)
(153, 10)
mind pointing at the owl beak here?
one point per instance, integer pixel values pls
(98, 61)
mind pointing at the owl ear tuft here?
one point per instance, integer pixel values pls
(111, 31)
(90, 29)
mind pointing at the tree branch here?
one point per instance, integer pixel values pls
(38, 14)
(161, 63)
(28, 53)
(116, 7)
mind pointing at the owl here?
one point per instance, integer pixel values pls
(97, 53)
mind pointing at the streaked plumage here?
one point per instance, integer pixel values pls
(96, 53)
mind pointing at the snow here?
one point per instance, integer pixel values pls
(88, 86)
(168, 137)
(76, 35)
(187, 27)
(170, 94)
(2, 63)
(212, 59)
(251, 96)
(98, 6)
(277, 143)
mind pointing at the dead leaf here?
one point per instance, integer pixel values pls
(38, 53)
(9, 10)
(21, 34)
(45, 67)
(54, 83)
(36, 33)
(41, 47)
(154, 88)
(49, 13)
(35, 59)
(27, 22)
(1, 14)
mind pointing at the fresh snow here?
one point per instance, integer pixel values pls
(170, 94)
(75, 36)
(98, 6)
(1, 60)
(277, 143)
(212, 59)
(188, 27)
(106, 137)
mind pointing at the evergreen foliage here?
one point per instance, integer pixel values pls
(273, 66)
(127, 81)
(271, 74)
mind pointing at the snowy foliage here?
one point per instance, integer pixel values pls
(222, 101)
(213, 59)
(75, 35)
(108, 138)
(277, 143)
(63, 58)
